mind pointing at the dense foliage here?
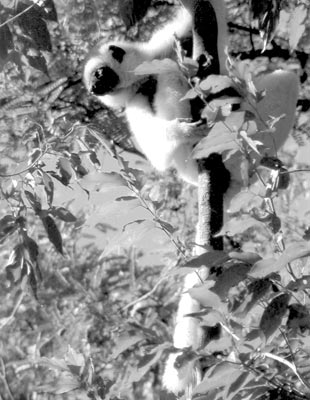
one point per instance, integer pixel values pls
(94, 244)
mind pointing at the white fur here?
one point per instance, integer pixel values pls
(187, 334)
(161, 43)
(164, 139)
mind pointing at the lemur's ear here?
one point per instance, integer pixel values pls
(105, 79)
(117, 53)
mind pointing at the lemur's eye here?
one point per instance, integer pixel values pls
(104, 81)
(117, 53)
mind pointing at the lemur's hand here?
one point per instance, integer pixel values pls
(181, 129)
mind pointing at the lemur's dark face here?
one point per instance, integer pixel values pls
(105, 79)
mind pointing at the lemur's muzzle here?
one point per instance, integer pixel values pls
(104, 81)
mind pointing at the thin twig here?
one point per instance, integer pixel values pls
(26, 169)
(295, 170)
(295, 369)
(148, 294)
(10, 318)
(17, 15)
(3, 377)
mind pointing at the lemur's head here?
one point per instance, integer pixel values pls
(109, 69)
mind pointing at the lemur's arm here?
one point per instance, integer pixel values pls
(161, 43)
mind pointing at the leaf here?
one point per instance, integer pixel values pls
(235, 226)
(243, 200)
(220, 345)
(94, 159)
(209, 113)
(164, 395)
(25, 270)
(63, 214)
(263, 268)
(124, 342)
(224, 135)
(32, 281)
(136, 230)
(48, 187)
(190, 95)
(190, 66)
(34, 201)
(38, 62)
(74, 358)
(65, 170)
(299, 317)
(300, 284)
(76, 161)
(166, 226)
(32, 248)
(237, 386)
(293, 252)
(137, 221)
(132, 11)
(255, 391)
(209, 317)
(54, 363)
(209, 259)
(229, 278)
(64, 384)
(224, 104)
(302, 155)
(205, 297)
(16, 58)
(7, 226)
(297, 25)
(273, 314)
(247, 257)
(48, 11)
(223, 374)
(15, 263)
(33, 26)
(103, 181)
(274, 224)
(6, 42)
(156, 67)
(256, 291)
(250, 142)
(126, 198)
(13, 273)
(146, 363)
(216, 83)
(52, 232)
(219, 139)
